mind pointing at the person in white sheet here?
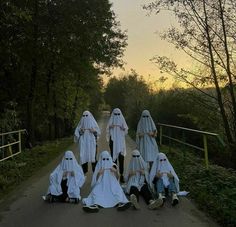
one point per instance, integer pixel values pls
(66, 180)
(146, 137)
(86, 135)
(106, 190)
(163, 176)
(116, 131)
(137, 178)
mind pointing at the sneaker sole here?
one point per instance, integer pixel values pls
(134, 201)
(124, 207)
(158, 203)
(90, 210)
(175, 202)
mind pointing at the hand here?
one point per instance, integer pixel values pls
(141, 171)
(122, 128)
(64, 174)
(72, 173)
(140, 134)
(159, 174)
(113, 170)
(81, 130)
(170, 175)
(111, 126)
(101, 172)
(132, 173)
(91, 130)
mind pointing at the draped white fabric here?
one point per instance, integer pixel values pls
(146, 143)
(84, 136)
(117, 129)
(136, 165)
(106, 190)
(75, 180)
(162, 165)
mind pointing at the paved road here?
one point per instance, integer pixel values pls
(25, 208)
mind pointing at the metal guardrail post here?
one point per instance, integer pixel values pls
(205, 151)
(160, 135)
(19, 138)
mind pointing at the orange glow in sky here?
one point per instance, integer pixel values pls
(144, 41)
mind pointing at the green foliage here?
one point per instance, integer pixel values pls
(14, 171)
(213, 190)
(52, 54)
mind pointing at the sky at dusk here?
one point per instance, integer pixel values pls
(144, 41)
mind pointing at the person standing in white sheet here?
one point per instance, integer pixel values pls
(116, 131)
(106, 190)
(146, 137)
(66, 180)
(86, 135)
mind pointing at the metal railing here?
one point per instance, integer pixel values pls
(203, 133)
(9, 144)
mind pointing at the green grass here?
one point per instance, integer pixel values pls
(14, 171)
(213, 190)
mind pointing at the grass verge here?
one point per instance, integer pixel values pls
(213, 190)
(16, 170)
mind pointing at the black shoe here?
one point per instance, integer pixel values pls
(75, 200)
(123, 206)
(91, 209)
(122, 179)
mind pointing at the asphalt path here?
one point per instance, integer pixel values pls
(24, 207)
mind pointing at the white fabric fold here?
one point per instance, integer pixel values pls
(116, 130)
(146, 143)
(136, 165)
(161, 164)
(75, 180)
(85, 137)
(106, 190)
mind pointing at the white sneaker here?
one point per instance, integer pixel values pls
(134, 201)
(161, 196)
(175, 199)
(154, 204)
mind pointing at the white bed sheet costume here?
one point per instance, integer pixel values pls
(106, 190)
(164, 167)
(117, 129)
(145, 138)
(84, 136)
(135, 165)
(64, 171)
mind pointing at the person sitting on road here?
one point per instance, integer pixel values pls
(66, 180)
(106, 190)
(86, 135)
(137, 178)
(164, 178)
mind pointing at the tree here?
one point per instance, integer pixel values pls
(206, 33)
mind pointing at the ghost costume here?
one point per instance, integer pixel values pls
(137, 179)
(106, 190)
(116, 131)
(86, 135)
(68, 176)
(136, 164)
(162, 165)
(146, 143)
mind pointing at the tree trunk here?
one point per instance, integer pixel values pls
(33, 77)
(213, 71)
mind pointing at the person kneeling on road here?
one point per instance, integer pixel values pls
(137, 182)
